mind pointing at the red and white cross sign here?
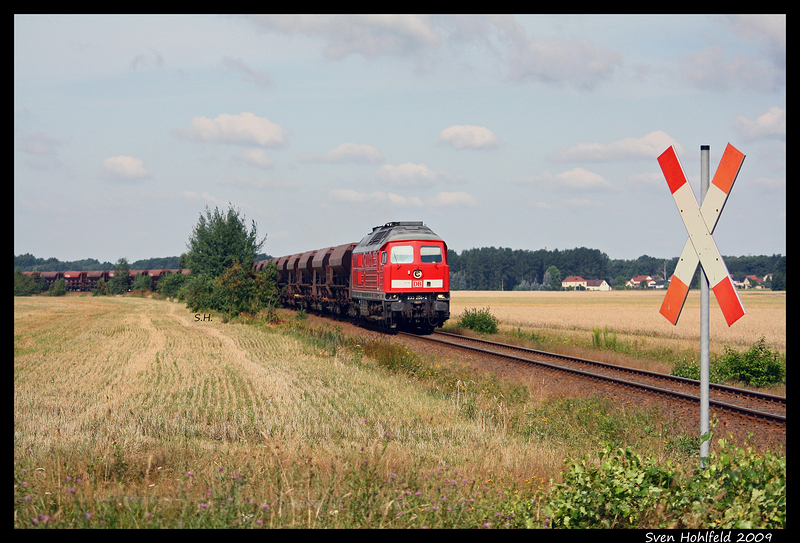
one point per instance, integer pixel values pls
(700, 223)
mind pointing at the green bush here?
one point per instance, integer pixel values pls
(479, 320)
(142, 282)
(25, 285)
(738, 488)
(100, 288)
(758, 366)
(171, 284)
(59, 288)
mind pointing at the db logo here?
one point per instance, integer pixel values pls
(416, 284)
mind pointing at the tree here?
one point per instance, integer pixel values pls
(220, 239)
(119, 283)
(555, 278)
(25, 285)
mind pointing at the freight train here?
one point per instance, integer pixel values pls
(84, 281)
(396, 277)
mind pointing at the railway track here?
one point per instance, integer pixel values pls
(741, 403)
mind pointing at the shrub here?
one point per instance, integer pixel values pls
(25, 285)
(142, 282)
(100, 288)
(758, 366)
(479, 320)
(738, 488)
(59, 288)
(171, 284)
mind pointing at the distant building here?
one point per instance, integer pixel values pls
(573, 281)
(597, 284)
(641, 281)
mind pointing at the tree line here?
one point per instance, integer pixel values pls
(491, 268)
(220, 238)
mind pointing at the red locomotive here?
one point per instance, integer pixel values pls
(397, 277)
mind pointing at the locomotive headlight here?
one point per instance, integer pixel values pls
(417, 274)
(440, 296)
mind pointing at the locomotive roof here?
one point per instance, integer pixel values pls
(395, 231)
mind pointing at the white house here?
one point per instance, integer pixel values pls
(574, 281)
(597, 284)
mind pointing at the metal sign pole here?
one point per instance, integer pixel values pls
(704, 321)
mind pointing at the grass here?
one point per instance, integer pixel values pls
(128, 413)
(625, 327)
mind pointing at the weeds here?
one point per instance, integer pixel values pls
(479, 320)
(758, 366)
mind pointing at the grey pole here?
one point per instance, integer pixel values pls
(704, 335)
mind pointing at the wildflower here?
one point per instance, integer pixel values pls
(89, 514)
(259, 522)
(203, 506)
(71, 491)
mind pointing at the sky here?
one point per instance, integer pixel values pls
(525, 131)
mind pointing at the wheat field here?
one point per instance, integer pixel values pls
(634, 316)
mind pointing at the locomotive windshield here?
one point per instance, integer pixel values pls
(430, 254)
(402, 254)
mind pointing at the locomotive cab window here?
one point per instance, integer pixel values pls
(430, 254)
(402, 254)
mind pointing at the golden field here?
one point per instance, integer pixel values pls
(632, 315)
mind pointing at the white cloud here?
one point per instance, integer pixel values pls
(346, 152)
(443, 199)
(255, 157)
(124, 167)
(468, 137)
(649, 146)
(409, 174)
(576, 179)
(770, 124)
(245, 128)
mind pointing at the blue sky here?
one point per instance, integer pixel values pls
(522, 131)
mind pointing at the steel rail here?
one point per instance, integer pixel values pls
(772, 418)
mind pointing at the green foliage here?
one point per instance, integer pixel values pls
(604, 339)
(142, 282)
(59, 288)
(170, 285)
(758, 366)
(738, 488)
(552, 278)
(237, 290)
(479, 320)
(218, 240)
(100, 288)
(25, 285)
(119, 283)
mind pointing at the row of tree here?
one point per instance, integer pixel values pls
(222, 246)
(490, 268)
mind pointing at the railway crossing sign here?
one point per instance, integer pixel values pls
(700, 223)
